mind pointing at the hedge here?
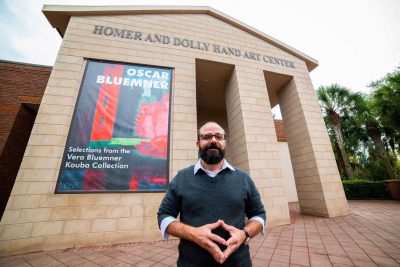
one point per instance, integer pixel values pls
(364, 189)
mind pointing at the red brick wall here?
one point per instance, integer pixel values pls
(280, 131)
(19, 83)
(13, 151)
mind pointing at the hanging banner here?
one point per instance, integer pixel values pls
(119, 135)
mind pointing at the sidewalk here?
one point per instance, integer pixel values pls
(370, 236)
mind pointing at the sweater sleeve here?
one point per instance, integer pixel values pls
(254, 206)
(171, 204)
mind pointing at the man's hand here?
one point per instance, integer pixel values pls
(233, 243)
(203, 237)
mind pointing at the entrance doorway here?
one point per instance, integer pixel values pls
(275, 82)
(211, 81)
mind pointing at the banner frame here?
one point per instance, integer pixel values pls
(87, 61)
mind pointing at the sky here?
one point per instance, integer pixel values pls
(354, 41)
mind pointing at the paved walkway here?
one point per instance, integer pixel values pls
(370, 236)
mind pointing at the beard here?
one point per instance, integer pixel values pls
(211, 154)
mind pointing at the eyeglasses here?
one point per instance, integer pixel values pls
(209, 136)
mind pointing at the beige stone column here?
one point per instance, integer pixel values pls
(252, 140)
(183, 151)
(318, 183)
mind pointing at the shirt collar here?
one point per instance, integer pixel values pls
(198, 166)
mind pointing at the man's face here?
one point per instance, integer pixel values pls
(212, 143)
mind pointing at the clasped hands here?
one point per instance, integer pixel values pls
(203, 237)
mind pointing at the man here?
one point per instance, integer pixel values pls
(212, 199)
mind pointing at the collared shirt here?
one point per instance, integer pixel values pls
(198, 166)
(168, 220)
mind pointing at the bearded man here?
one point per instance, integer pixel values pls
(212, 199)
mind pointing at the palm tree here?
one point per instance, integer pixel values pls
(355, 139)
(336, 102)
(385, 104)
(364, 113)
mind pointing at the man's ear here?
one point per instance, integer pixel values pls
(198, 144)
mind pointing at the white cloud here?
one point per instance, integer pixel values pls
(28, 37)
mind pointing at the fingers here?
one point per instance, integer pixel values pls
(227, 227)
(230, 241)
(228, 251)
(214, 225)
(237, 237)
(205, 238)
(218, 239)
(215, 251)
(234, 239)
(208, 238)
(232, 245)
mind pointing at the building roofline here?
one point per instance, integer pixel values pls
(25, 63)
(59, 16)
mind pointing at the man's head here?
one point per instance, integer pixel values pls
(211, 142)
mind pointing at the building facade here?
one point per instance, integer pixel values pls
(215, 68)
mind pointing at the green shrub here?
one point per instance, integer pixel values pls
(364, 189)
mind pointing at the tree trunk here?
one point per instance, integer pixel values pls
(338, 155)
(380, 149)
(339, 138)
(393, 148)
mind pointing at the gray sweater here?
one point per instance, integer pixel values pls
(201, 199)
